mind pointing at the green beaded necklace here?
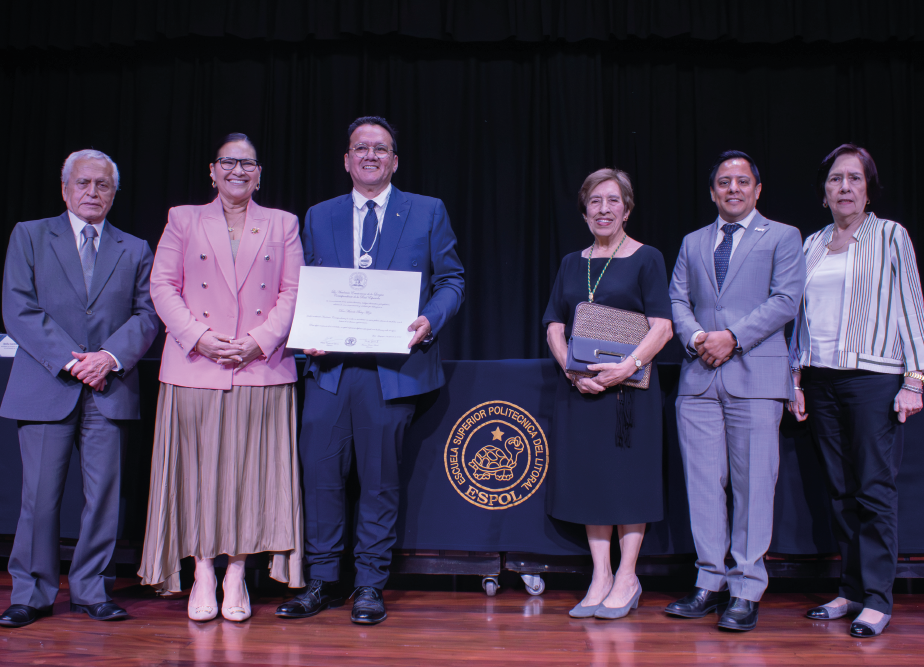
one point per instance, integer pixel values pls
(590, 292)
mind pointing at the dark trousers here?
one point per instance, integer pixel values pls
(859, 441)
(356, 421)
(46, 453)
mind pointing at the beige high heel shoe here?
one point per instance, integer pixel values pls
(237, 614)
(204, 612)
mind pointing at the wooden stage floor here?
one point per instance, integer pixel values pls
(437, 628)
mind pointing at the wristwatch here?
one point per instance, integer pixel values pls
(915, 375)
(638, 362)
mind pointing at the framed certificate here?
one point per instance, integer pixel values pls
(355, 310)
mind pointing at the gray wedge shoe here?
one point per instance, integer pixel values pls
(580, 611)
(610, 613)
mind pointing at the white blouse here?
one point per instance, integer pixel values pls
(824, 303)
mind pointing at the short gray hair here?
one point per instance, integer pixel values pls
(88, 154)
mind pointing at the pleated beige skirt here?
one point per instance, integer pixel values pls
(224, 480)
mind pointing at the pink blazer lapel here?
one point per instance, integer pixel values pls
(216, 230)
(252, 240)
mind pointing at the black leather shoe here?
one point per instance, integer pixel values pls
(740, 615)
(698, 604)
(319, 596)
(368, 606)
(101, 611)
(19, 615)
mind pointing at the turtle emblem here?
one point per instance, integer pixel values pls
(492, 461)
(490, 466)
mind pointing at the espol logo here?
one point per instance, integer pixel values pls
(496, 455)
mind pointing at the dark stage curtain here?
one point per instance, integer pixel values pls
(67, 25)
(504, 132)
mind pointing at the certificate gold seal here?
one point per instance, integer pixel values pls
(496, 455)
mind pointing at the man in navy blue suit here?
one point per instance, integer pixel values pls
(359, 405)
(76, 299)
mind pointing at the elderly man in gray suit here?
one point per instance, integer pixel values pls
(737, 282)
(76, 299)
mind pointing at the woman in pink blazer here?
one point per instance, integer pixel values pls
(224, 474)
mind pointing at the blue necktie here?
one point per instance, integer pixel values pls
(370, 226)
(88, 255)
(723, 252)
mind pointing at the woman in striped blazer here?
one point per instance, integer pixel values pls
(856, 356)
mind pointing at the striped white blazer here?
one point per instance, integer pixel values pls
(883, 309)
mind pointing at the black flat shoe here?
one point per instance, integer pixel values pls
(101, 611)
(740, 615)
(368, 606)
(19, 615)
(320, 595)
(826, 612)
(865, 629)
(698, 604)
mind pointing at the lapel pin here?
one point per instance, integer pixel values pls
(760, 229)
(255, 230)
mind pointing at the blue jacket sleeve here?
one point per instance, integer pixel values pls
(446, 279)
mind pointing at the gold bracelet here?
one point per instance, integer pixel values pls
(915, 375)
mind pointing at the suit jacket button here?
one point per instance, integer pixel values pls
(206, 313)
(414, 263)
(262, 285)
(203, 256)
(205, 285)
(89, 312)
(266, 257)
(718, 307)
(320, 261)
(83, 347)
(259, 312)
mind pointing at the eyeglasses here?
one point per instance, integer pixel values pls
(228, 163)
(381, 151)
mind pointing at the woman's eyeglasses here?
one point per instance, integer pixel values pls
(228, 163)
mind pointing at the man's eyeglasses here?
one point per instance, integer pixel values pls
(228, 163)
(380, 151)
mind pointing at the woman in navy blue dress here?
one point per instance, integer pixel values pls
(607, 437)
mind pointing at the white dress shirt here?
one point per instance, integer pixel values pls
(359, 215)
(739, 233)
(77, 225)
(719, 237)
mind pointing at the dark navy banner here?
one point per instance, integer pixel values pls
(475, 462)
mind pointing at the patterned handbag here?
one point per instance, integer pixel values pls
(602, 334)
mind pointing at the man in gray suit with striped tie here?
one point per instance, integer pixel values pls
(737, 282)
(76, 299)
